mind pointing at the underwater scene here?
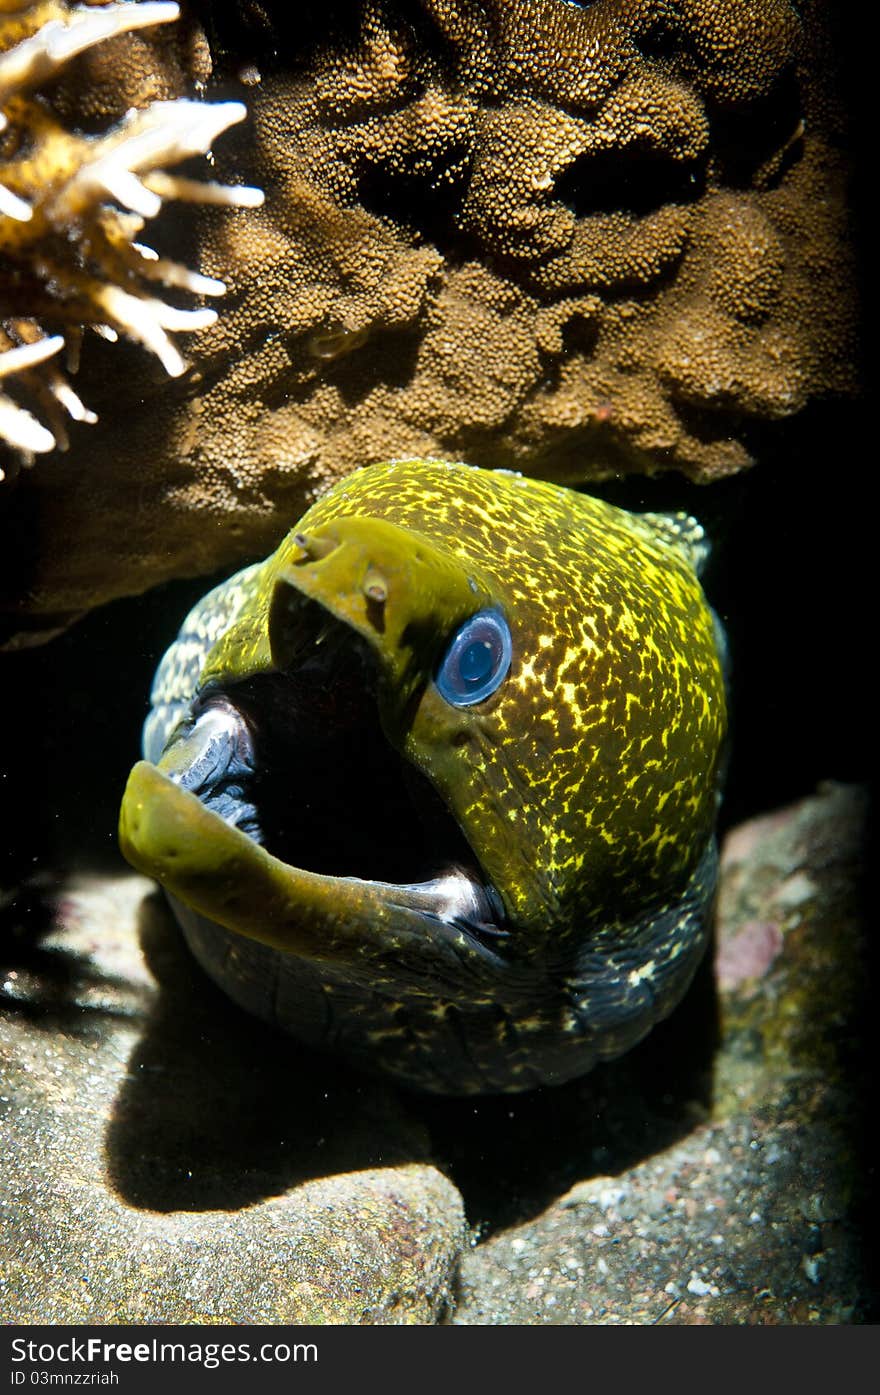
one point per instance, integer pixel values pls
(434, 540)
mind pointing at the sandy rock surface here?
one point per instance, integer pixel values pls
(166, 1158)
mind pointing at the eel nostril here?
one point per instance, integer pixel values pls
(314, 549)
(375, 590)
(375, 586)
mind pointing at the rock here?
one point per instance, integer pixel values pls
(756, 1212)
(168, 1160)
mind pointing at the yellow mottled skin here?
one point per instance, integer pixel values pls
(586, 785)
(594, 766)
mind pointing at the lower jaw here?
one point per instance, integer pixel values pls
(424, 1043)
(168, 833)
(365, 969)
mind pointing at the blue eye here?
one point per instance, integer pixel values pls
(477, 660)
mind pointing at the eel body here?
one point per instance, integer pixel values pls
(435, 785)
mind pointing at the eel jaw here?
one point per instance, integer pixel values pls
(200, 823)
(281, 808)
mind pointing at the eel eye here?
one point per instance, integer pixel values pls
(476, 661)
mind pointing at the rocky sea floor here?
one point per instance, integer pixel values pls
(166, 1159)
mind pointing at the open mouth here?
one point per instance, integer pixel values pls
(297, 761)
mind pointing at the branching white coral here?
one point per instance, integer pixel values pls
(68, 223)
(164, 133)
(38, 58)
(17, 426)
(55, 42)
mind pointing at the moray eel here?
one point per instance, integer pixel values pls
(435, 785)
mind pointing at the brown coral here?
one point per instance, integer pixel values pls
(571, 239)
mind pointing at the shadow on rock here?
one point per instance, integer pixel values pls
(218, 1111)
(46, 983)
(511, 1155)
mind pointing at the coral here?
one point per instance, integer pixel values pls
(575, 240)
(72, 206)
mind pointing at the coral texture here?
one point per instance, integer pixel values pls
(72, 205)
(571, 239)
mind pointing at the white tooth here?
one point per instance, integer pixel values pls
(125, 188)
(171, 273)
(171, 318)
(139, 317)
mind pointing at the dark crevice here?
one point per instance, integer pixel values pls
(746, 139)
(379, 356)
(289, 38)
(275, 36)
(660, 41)
(425, 204)
(579, 337)
(630, 181)
(712, 420)
(388, 359)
